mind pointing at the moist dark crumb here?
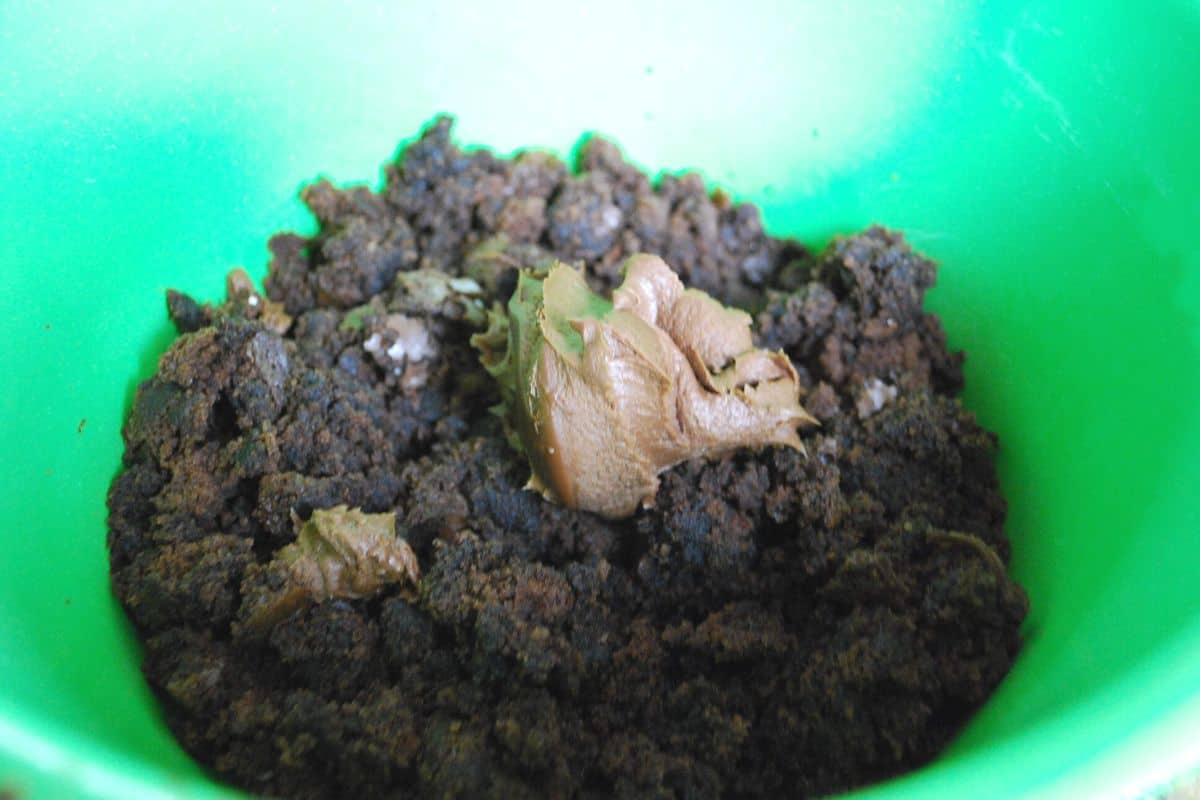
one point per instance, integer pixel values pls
(777, 625)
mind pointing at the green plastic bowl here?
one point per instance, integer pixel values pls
(1048, 155)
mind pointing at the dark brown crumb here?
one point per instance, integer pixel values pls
(777, 625)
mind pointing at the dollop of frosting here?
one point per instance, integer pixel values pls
(602, 396)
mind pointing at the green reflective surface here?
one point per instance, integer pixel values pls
(1045, 153)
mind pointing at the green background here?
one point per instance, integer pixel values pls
(1045, 153)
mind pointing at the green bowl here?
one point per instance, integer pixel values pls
(1048, 155)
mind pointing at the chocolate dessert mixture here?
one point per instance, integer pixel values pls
(322, 533)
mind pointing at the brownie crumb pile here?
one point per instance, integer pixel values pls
(775, 625)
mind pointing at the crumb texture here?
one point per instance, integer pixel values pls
(775, 625)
